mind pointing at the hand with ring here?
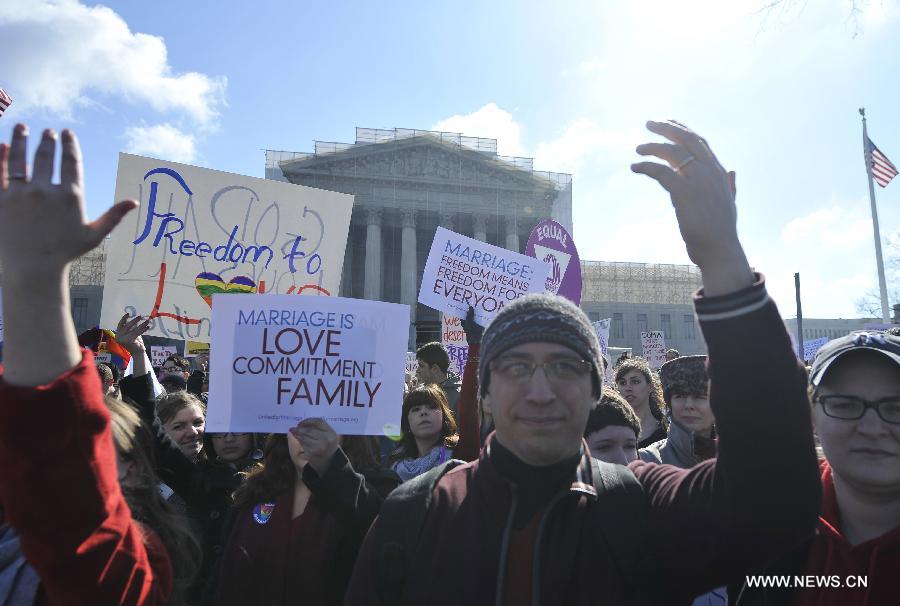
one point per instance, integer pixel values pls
(703, 194)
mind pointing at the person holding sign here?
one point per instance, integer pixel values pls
(639, 385)
(59, 475)
(536, 520)
(300, 517)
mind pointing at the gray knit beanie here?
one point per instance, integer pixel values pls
(543, 318)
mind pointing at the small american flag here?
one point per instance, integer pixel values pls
(882, 169)
(5, 101)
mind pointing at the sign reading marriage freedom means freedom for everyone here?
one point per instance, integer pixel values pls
(462, 273)
(278, 360)
(200, 232)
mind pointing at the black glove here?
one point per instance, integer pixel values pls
(472, 329)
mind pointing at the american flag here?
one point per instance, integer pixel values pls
(882, 169)
(5, 101)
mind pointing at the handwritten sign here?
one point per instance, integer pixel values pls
(412, 362)
(810, 348)
(453, 338)
(602, 329)
(551, 243)
(461, 272)
(160, 353)
(280, 359)
(199, 232)
(654, 346)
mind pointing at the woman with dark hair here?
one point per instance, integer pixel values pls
(640, 387)
(300, 517)
(428, 432)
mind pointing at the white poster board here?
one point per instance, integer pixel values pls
(461, 272)
(279, 359)
(412, 362)
(160, 353)
(199, 232)
(653, 344)
(453, 338)
(601, 327)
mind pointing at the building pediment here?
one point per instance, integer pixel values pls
(423, 159)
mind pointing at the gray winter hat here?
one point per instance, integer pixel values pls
(543, 318)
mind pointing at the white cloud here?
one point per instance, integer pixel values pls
(582, 142)
(490, 122)
(832, 228)
(161, 141)
(60, 54)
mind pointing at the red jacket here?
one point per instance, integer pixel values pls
(706, 524)
(878, 560)
(60, 491)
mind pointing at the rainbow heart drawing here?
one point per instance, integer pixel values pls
(208, 284)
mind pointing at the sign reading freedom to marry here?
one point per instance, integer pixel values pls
(461, 272)
(199, 232)
(280, 359)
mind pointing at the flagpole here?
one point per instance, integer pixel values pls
(885, 315)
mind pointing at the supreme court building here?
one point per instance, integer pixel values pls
(407, 182)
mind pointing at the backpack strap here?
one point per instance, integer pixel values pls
(623, 518)
(397, 533)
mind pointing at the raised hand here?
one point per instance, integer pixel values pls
(42, 225)
(319, 442)
(703, 193)
(129, 331)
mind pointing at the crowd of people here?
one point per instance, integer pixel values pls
(528, 480)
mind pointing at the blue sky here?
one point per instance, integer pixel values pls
(776, 94)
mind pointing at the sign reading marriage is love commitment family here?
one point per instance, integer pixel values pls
(280, 359)
(461, 273)
(200, 232)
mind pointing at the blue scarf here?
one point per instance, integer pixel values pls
(407, 469)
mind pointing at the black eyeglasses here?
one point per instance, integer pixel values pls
(518, 370)
(851, 408)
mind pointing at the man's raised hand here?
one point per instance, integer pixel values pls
(702, 193)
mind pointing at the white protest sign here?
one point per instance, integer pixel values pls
(160, 353)
(602, 329)
(461, 272)
(200, 232)
(279, 359)
(810, 348)
(103, 356)
(453, 338)
(654, 345)
(412, 362)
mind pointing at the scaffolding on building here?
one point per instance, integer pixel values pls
(369, 136)
(625, 282)
(89, 269)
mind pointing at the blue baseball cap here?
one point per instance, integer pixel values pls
(884, 343)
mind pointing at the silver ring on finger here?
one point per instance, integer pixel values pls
(684, 163)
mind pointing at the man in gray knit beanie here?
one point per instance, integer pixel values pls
(544, 318)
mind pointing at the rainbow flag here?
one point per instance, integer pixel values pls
(119, 355)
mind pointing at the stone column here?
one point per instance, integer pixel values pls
(512, 234)
(447, 219)
(409, 274)
(372, 288)
(479, 227)
(347, 270)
